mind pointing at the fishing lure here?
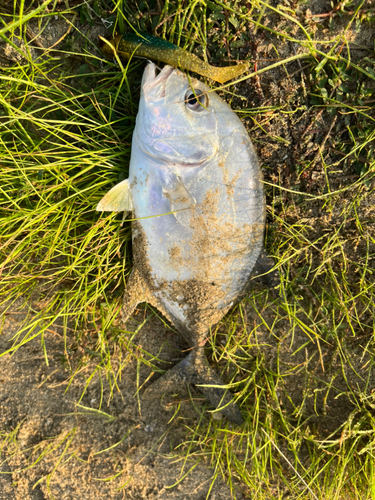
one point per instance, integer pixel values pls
(158, 49)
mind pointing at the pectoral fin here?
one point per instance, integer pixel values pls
(183, 205)
(118, 199)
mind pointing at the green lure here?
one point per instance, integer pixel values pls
(158, 49)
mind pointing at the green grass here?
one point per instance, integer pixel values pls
(63, 145)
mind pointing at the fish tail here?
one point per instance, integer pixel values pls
(194, 369)
(226, 73)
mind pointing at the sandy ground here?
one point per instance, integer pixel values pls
(34, 401)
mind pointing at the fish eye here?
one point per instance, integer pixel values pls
(196, 100)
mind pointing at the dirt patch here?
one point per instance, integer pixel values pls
(47, 422)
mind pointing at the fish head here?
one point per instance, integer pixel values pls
(175, 122)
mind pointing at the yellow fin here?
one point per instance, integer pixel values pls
(118, 199)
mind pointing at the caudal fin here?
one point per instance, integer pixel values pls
(194, 369)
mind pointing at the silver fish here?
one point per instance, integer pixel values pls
(195, 186)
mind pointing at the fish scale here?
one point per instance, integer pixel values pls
(197, 193)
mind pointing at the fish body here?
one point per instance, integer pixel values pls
(195, 188)
(158, 49)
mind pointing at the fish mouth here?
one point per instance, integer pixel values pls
(153, 83)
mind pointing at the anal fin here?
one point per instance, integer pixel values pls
(135, 293)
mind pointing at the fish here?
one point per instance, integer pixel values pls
(156, 48)
(196, 196)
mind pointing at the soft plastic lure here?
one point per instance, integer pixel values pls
(158, 49)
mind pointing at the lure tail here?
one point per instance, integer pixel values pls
(194, 369)
(224, 74)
